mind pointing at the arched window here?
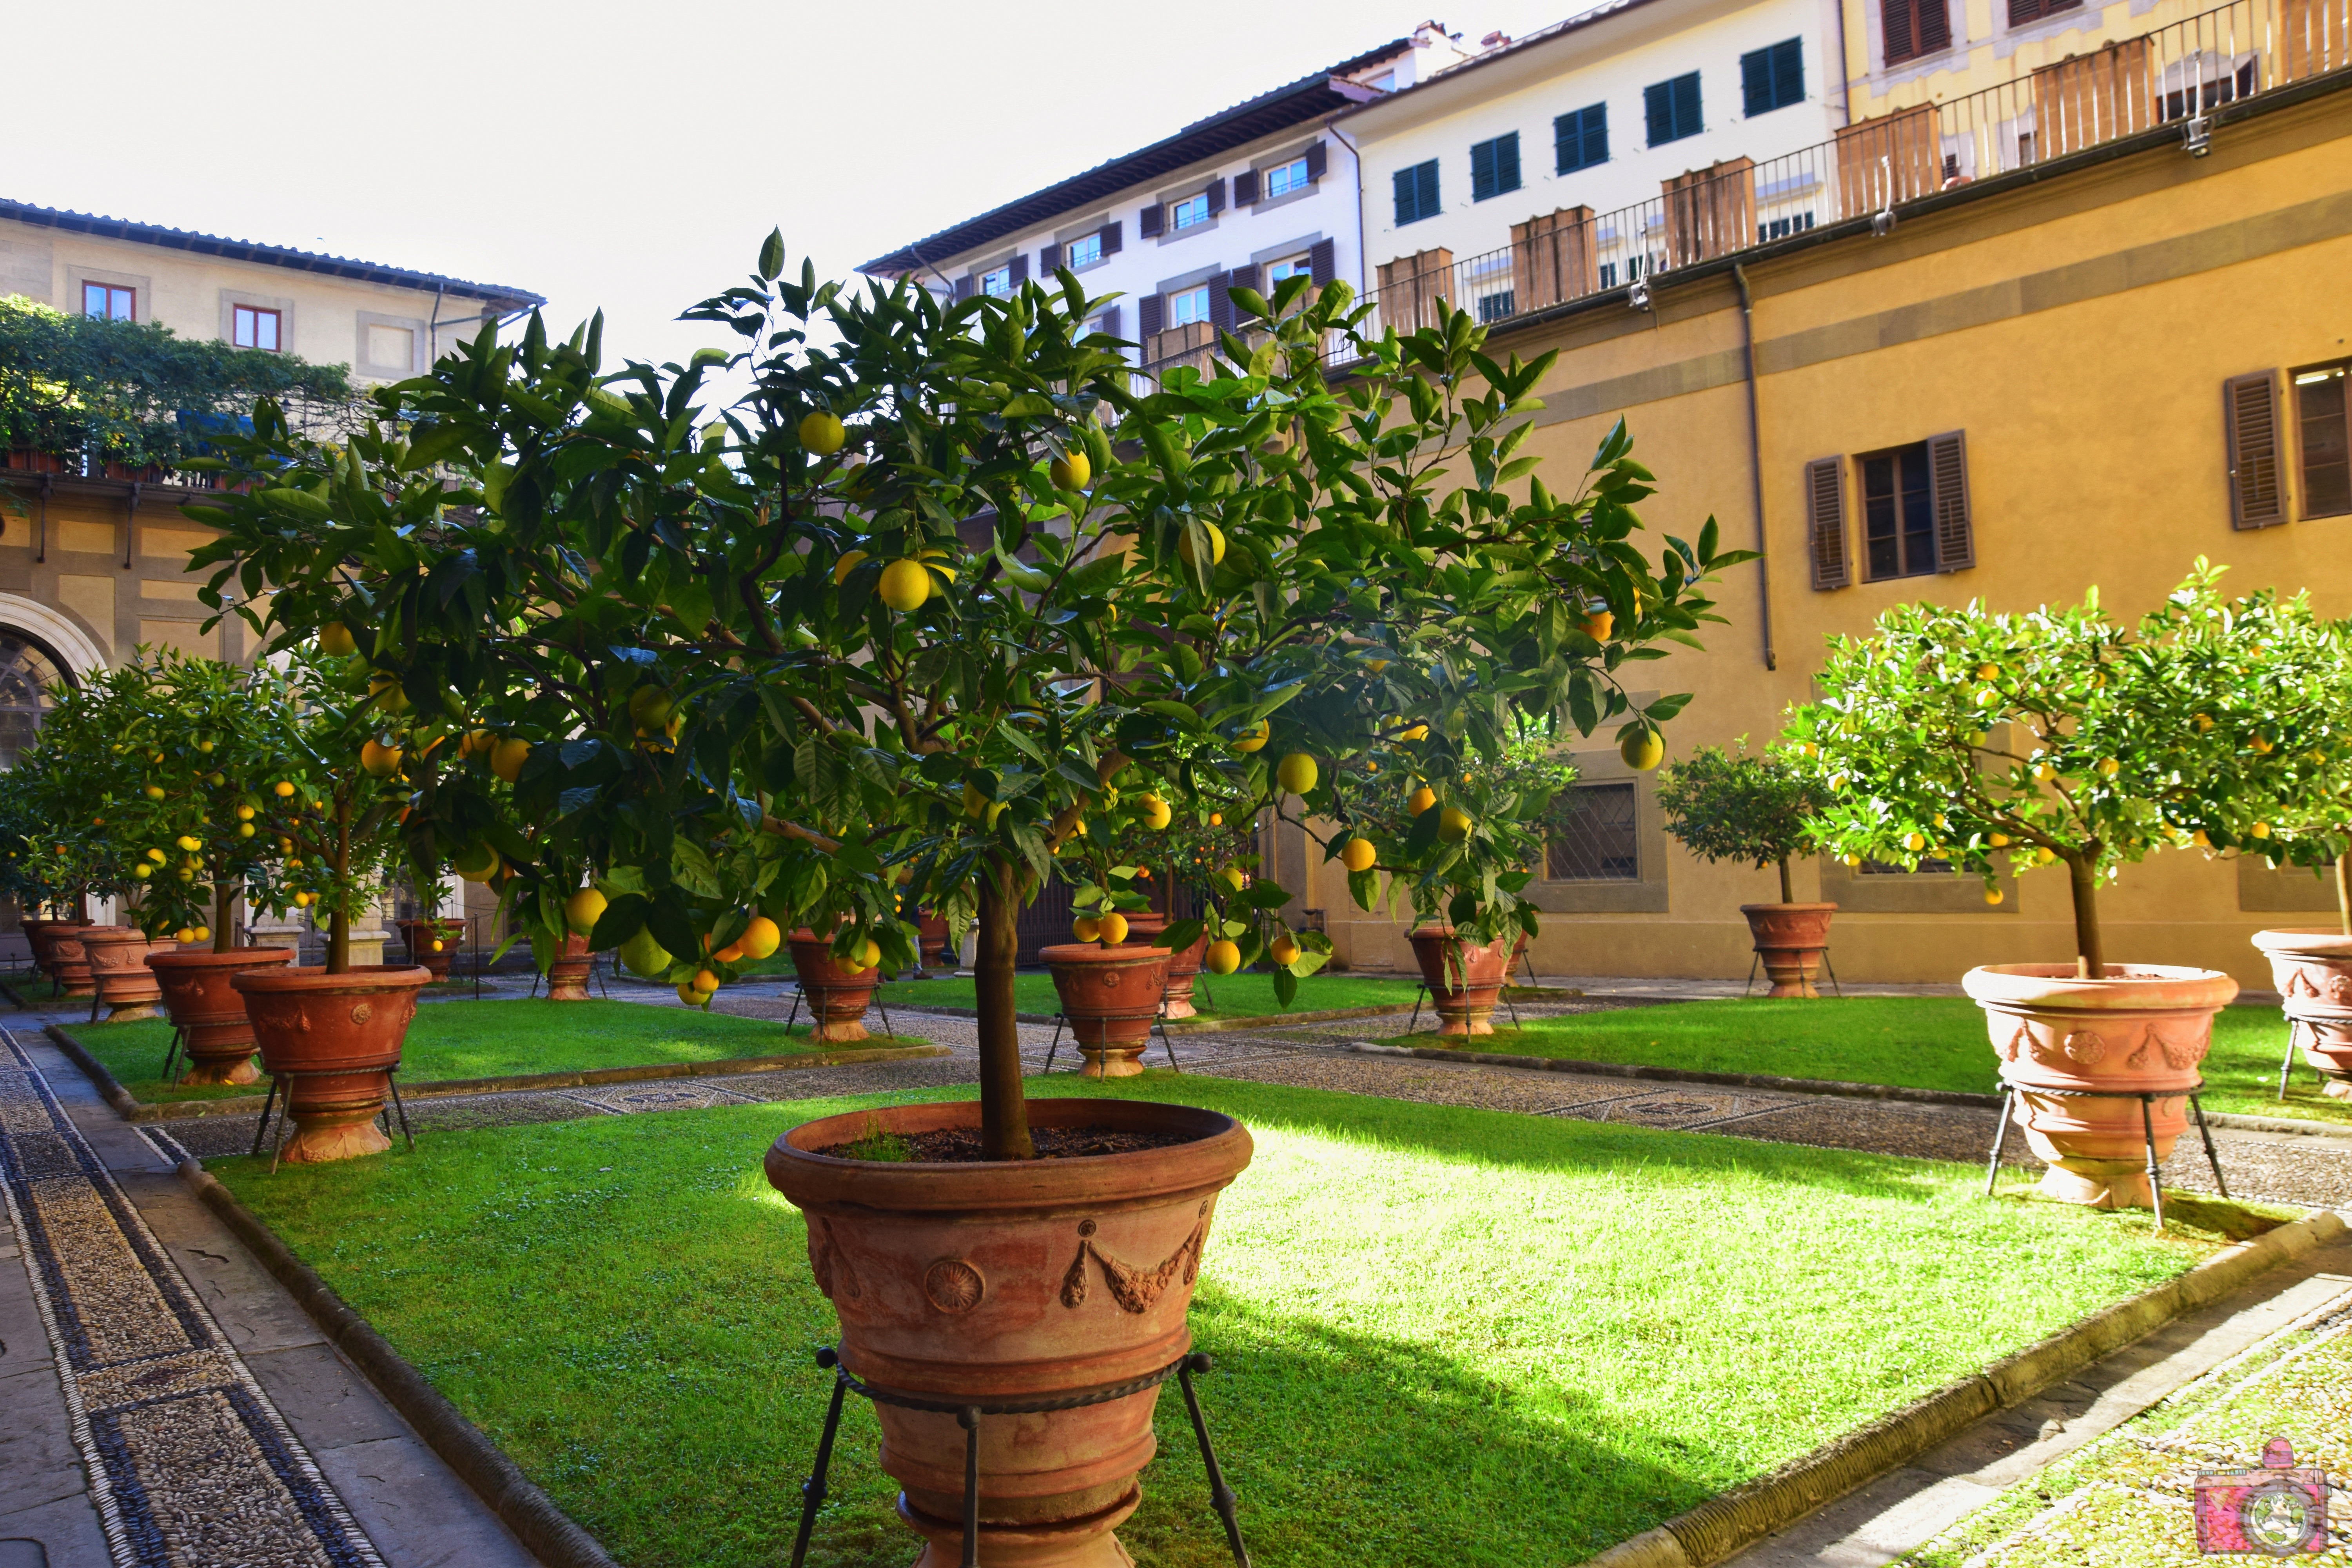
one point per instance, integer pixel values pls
(29, 674)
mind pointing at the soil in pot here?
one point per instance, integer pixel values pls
(2312, 972)
(117, 969)
(1790, 941)
(2081, 1052)
(332, 1042)
(1465, 979)
(1110, 995)
(210, 1012)
(837, 995)
(999, 1282)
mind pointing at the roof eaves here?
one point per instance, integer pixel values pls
(1575, 24)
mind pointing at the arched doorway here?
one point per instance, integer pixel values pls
(29, 673)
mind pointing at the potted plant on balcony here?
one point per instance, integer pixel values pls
(2059, 737)
(1725, 806)
(872, 714)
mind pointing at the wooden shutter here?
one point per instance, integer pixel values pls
(1408, 205)
(1111, 237)
(1048, 259)
(1789, 71)
(1317, 159)
(1756, 82)
(1019, 268)
(1425, 183)
(1246, 276)
(2250, 416)
(1322, 259)
(1216, 195)
(1506, 161)
(1150, 311)
(1935, 26)
(1689, 121)
(1482, 170)
(1899, 39)
(1658, 108)
(1108, 322)
(1825, 521)
(1245, 188)
(1221, 307)
(1152, 219)
(964, 286)
(1947, 480)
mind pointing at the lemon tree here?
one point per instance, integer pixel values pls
(1734, 806)
(59, 799)
(2061, 737)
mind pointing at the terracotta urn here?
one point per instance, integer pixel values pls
(1184, 970)
(332, 1042)
(1110, 995)
(421, 935)
(567, 977)
(836, 995)
(119, 971)
(38, 936)
(2312, 971)
(2143, 1029)
(72, 971)
(1791, 939)
(210, 1012)
(932, 949)
(991, 1283)
(1464, 980)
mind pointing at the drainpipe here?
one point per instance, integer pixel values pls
(1756, 461)
(1363, 262)
(129, 523)
(48, 485)
(1845, 84)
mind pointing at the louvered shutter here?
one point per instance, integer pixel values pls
(1506, 161)
(1323, 262)
(1243, 277)
(1426, 179)
(1895, 31)
(1151, 220)
(1789, 71)
(1245, 188)
(1687, 119)
(1108, 322)
(1048, 259)
(1482, 170)
(964, 286)
(2250, 416)
(1150, 311)
(1947, 480)
(1019, 268)
(1216, 195)
(1825, 521)
(1221, 308)
(1935, 26)
(1318, 158)
(1658, 108)
(1111, 237)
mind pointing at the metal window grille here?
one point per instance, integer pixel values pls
(1596, 840)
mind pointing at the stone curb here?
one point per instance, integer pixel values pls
(134, 1109)
(550, 1534)
(1190, 1025)
(1725, 1524)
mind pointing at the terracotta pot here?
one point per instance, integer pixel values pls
(1791, 940)
(117, 969)
(38, 936)
(2142, 1029)
(2312, 971)
(1142, 928)
(420, 936)
(1464, 982)
(210, 1012)
(72, 972)
(332, 1041)
(1183, 969)
(1001, 1282)
(836, 995)
(931, 940)
(1109, 995)
(567, 977)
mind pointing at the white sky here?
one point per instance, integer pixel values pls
(629, 156)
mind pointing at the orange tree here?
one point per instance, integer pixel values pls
(2060, 737)
(2302, 783)
(889, 625)
(1725, 806)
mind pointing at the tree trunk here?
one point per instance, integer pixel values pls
(2344, 891)
(223, 914)
(1004, 1112)
(1788, 893)
(339, 925)
(2089, 948)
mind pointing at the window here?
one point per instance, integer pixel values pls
(1672, 110)
(1580, 139)
(1495, 306)
(1495, 166)
(1191, 305)
(1593, 836)
(106, 302)
(1775, 78)
(1782, 227)
(1910, 28)
(1416, 193)
(29, 680)
(1898, 513)
(2326, 443)
(1083, 252)
(1300, 266)
(2020, 11)
(250, 327)
(999, 282)
(1288, 177)
(1190, 212)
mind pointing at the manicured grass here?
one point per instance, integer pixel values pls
(1244, 995)
(494, 1039)
(1442, 1336)
(1919, 1042)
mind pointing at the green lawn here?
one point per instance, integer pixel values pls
(493, 1040)
(1444, 1337)
(1244, 995)
(1919, 1042)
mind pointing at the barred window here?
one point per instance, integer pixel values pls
(1593, 836)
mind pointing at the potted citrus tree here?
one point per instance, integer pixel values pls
(76, 774)
(2058, 737)
(1756, 809)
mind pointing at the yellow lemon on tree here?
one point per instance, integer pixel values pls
(384, 688)
(1223, 957)
(2260, 830)
(974, 802)
(1086, 927)
(2200, 840)
(867, 954)
(1283, 951)
(1232, 876)
(2109, 767)
(335, 640)
(761, 938)
(1988, 672)
(1255, 737)
(185, 933)
(477, 863)
(477, 743)
(650, 707)
(1297, 772)
(643, 956)
(154, 792)
(1993, 895)
(1599, 623)
(245, 814)
(1216, 544)
(191, 843)
(1999, 841)
(1216, 819)
(157, 856)
(142, 870)
(690, 996)
(380, 760)
(1114, 929)
(1071, 472)
(822, 434)
(2043, 857)
(508, 757)
(584, 909)
(705, 982)
(302, 900)
(1421, 800)
(1156, 813)
(1453, 824)
(905, 585)
(1358, 855)
(846, 564)
(1418, 732)
(1643, 750)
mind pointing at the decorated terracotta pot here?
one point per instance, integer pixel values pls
(567, 977)
(72, 971)
(1184, 970)
(2143, 1029)
(836, 995)
(38, 936)
(421, 937)
(332, 1041)
(117, 969)
(1791, 940)
(2312, 972)
(1109, 995)
(210, 1011)
(1464, 980)
(999, 1283)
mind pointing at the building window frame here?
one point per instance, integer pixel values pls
(1192, 211)
(1285, 179)
(1417, 192)
(1083, 251)
(1186, 306)
(1673, 109)
(1898, 518)
(1579, 139)
(2323, 398)
(256, 327)
(1774, 77)
(109, 296)
(1495, 166)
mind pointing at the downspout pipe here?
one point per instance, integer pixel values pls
(1363, 262)
(1756, 462)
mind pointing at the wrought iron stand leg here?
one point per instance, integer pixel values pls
(1749, 989)
(1417, 996)
(1221, 1496)
(2210, 1158)
(2155, 1190)
(888, 1027)
(2287, 1066)
(1168, 1043)
(1833, 979)
(1054, 1050)
(392, 1080)
(969, 1419)
(793, 1016)
(285, 1120)
(171, 1054)
(262, 1129)
(813, 1489)
(1999, 1137)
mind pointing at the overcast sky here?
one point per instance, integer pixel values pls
(629, 156)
